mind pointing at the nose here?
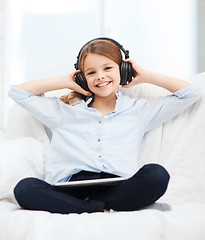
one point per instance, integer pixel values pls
(100, 76)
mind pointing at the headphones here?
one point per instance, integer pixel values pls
(125, 67)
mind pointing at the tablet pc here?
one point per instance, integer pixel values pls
(91, 182)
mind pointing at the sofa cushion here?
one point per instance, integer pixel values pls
(19, 158)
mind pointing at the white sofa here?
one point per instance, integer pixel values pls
(179, 145)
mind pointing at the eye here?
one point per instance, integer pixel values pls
(108, 68)
(91, 73)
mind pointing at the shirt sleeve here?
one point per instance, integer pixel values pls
(45, 109)
(156, 112)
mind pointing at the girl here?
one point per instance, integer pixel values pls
(96, 133)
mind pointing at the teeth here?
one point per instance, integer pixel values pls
(103, 84)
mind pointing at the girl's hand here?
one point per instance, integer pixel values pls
(138, 73)
(71, 84)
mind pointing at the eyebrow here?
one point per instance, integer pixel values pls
(87, 70)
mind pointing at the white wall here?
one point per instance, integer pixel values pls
(46, 39)
(160, 34)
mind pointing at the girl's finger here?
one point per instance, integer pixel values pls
(79, 89)
(75, 72)
(130, 60)
(128, 85)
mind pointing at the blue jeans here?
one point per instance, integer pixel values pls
(140, 190)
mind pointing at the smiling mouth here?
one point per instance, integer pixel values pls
(103, 84)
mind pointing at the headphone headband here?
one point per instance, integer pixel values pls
(126, 52)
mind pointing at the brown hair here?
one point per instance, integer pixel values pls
(102, 47)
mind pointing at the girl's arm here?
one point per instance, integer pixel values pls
(49, 84)
(143, 76)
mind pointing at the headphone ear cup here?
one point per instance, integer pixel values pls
(81, 80)
(125, 72)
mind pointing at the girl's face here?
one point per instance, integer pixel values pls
(102, 75)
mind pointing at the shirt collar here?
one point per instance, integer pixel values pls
(118, 94)
(89, 99)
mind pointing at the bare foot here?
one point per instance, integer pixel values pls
(106, 210)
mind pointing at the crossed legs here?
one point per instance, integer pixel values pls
(142, 189)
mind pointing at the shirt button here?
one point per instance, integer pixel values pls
(100, 121)
(99, 140)
(100, 156)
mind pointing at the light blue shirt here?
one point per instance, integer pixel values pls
(83, 140)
